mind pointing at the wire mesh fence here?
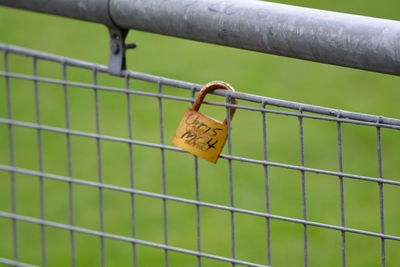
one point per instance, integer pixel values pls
(89, 178)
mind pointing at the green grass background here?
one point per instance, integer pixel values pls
(249, 72)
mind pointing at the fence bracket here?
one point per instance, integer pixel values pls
(117, 60)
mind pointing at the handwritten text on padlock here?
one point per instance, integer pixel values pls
(202, 133)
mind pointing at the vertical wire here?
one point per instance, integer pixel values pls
(131, 168)
(303, 189)
(40, 162)
(198, 218)
(69, 162)
(381, 197)
(11, 158)
(164, 181)
(341, 184)
(197, 187)
(99, 166)
(266, 179)
(231, 184)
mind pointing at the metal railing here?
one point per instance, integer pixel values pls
(151, 160)
(305, 33)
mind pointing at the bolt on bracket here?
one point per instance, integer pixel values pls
(117, 60)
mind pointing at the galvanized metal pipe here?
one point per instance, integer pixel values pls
(88, 10)
(329, 37)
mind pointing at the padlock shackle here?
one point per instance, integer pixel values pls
(210, 87)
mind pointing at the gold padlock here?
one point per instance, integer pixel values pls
(199, 134)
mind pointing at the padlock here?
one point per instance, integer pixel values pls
(199, 134)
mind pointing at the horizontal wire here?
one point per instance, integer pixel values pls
(191, 86)
(313, 170)
(91, 66)
(193, 202)
(338, 115)
(90, 86)
(16, 263)
(172, 148)
(124, 238)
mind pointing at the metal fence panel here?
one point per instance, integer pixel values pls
(88, 176)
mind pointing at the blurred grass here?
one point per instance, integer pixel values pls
(249, 72)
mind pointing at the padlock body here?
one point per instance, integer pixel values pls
(201, 135)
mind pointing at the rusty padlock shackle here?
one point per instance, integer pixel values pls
(210, 87)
